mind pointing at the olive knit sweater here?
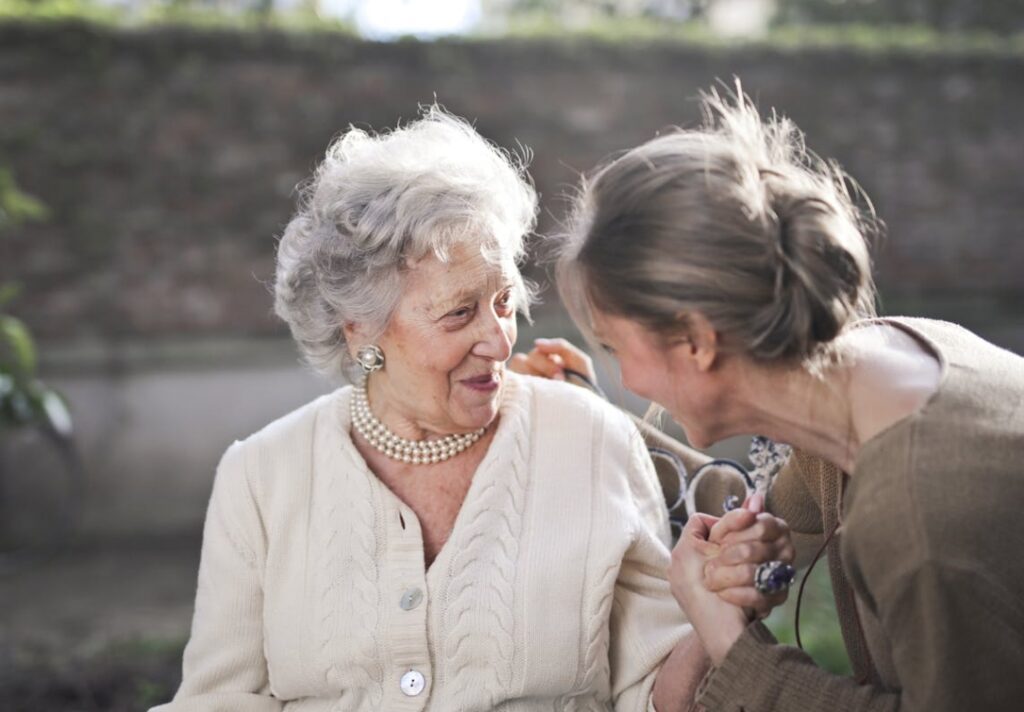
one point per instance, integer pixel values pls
(927, 564)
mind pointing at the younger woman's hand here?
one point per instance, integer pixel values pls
(744, 539)
(550, 357)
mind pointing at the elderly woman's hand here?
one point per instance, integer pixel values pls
(741, 541)
(550, 357)
(717, 622)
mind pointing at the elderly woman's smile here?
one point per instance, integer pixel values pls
(446, 345)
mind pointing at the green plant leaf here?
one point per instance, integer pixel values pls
(17, 347)
(17, 207)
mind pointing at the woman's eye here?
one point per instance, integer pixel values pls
(608, 349)
(460, 313)
(505, 300)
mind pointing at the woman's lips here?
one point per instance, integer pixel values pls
(482, 384)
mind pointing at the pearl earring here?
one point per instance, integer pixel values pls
(370, 358)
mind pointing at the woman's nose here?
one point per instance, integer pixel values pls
(496, 340)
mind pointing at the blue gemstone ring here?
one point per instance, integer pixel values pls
(773, 577)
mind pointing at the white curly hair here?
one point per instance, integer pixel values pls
(381, 201)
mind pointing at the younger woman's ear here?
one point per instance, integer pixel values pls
(702, 340)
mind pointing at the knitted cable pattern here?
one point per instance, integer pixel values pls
(594, 690)
(479, 617)
(584, 702)
(345, 523)
(593, 682)
(595, 687)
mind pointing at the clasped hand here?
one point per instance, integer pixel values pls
(713, 569)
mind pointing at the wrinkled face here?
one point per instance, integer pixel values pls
(446, 345)
(669, 375)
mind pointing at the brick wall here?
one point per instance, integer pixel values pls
(169, 157)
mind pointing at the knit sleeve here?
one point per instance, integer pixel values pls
(646, 622)
(790, 496)
(759, 675)
(224, 665)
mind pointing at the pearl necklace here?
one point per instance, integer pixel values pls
(415, 452)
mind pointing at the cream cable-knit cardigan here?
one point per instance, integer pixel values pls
(550, 593)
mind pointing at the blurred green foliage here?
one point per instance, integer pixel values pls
(258, 15)
(951, 15)
(819, 624)
(869, 39)
(793, 30)
(17, 207)
(999, 16)
(24, 399)
(43, 10)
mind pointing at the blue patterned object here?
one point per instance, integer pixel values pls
(767, 457)
(773, 576)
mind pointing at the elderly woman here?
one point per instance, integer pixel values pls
(444, 535)
(728, 273)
